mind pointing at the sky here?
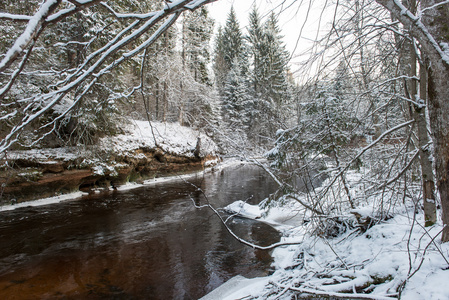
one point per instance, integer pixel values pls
(298, 20)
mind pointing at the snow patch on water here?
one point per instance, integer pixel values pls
(44, 201)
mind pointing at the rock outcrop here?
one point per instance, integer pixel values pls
(30, 177)
(143, 151)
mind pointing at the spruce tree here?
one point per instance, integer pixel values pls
(228, 47)
(231, 74)
(269, 83)
(236, 98)
(197, 32)
(274, 65)
(255, 38)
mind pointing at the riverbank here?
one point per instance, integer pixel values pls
(145, 151)
(397, 258)
(210, 167)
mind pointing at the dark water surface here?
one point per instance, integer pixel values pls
(147, 243)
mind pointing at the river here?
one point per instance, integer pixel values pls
(146, 243)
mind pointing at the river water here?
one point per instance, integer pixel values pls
(146, 243)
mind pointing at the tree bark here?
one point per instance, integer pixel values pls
(431, 31)
(430, 216)
(436, 21)
(418, 113)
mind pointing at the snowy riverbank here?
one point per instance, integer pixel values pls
(144, 151)
(215, 166)
(398, 257)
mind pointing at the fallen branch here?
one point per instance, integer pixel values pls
(340, 295)
(234, 235)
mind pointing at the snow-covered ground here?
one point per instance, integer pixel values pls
(396, 255)
(171, 137)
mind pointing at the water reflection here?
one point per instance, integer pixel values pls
(148, 243)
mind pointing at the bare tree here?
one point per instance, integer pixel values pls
(134, 32)
(429, 27)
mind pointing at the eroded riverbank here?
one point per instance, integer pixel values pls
(134, 156)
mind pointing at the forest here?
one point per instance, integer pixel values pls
(355, 134)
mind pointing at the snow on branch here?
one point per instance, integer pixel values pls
(416, 27)
(434, 6)
(66, 12)
(31, 31)
(129, 15)
(232, 233)
(91, 68)
(13, 17)
(361, 152)
(337, 295)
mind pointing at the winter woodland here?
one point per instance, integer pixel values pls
(356, 135)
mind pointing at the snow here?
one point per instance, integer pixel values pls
(171, 137)
(235, 288)
(32, 27)
(378, 258)
(44, 201)
(416, 21)
(14, 17)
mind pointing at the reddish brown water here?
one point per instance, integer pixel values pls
(148, 243)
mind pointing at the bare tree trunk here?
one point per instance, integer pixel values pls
(438, 91)
(183, 57)
(432, 30)
(424, 151)
(165, 91)
(157, 101)
(418, 113)
(436, 21)
(165, 100)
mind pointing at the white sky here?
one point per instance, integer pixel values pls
(294, 21)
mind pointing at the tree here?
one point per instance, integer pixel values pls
(433, 34)
(236, 98)
(408, 58)
(350, 119)
(229, 47)
(132, 33)
(255, 38)
(219, 65)
(197, 33)
(231, 77)
(268, 74)
(274, 63)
